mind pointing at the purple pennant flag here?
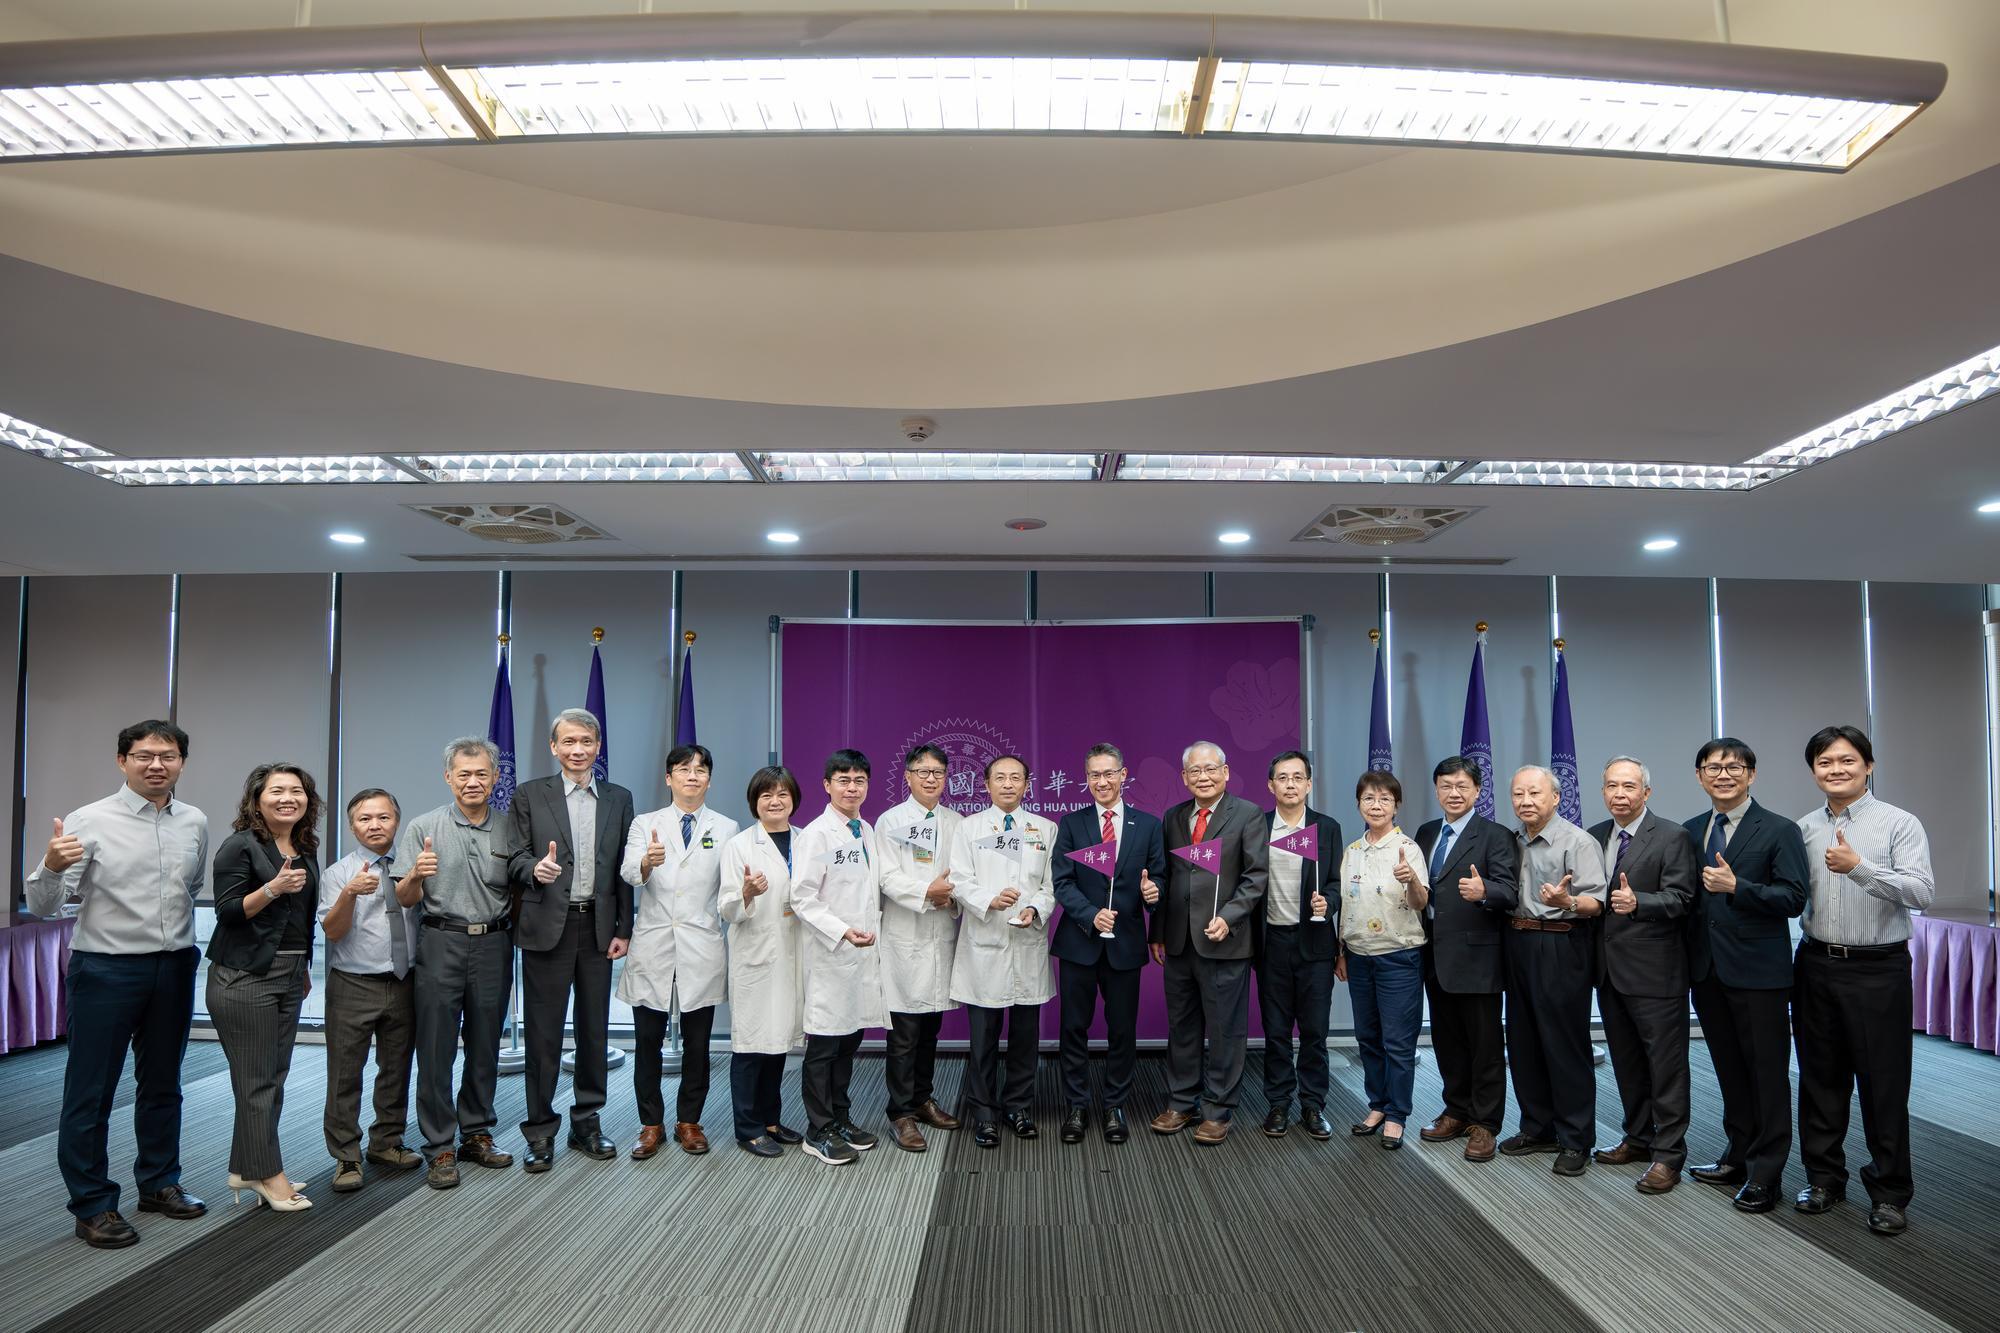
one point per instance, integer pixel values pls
(1205, 855)
(1303, 843)
(1099, 856)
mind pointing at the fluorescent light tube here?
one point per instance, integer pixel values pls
(1967, 382)
(1623, 476)
(801, 465)
(1259, 467)
(578, 467)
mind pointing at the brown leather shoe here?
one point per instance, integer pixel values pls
(1211, 1132)
(1621, 1155)
(1479, 1144)
(689, 1136)
(903, 1129)
(479, 1150)
(1171, 1121)
(1442, 1130)
(936, 1116)
(1659, 1178)
(650, 1139)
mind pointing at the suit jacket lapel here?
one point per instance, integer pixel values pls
(607, 836)
(556, 795)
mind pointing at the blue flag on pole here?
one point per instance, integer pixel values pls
(1381, 756)
(500, 730)
(1562, 746)
(684, 715)
(593, 703)
(1475, 738)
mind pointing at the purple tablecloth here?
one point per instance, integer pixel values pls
(33, 957)
(1955, 975)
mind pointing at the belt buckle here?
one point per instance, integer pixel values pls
(476, 928)
(1838, 951)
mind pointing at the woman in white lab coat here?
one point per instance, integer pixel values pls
(766, 1013)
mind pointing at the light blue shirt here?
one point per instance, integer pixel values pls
(364, 949)
(143, 867)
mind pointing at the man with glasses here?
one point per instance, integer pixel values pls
(135, 862)
(919, 933)
(1297, 945)
(1753, 880)
(1100, 939)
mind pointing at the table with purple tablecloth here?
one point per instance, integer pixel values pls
(1954, 973)
(33, 958)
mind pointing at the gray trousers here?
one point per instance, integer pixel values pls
(462, 986)
(257, 1018)
(360, 1008)
(1206, 998)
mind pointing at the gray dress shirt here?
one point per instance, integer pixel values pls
(142, 868)
(1281, 904)
(582, 803)
(471, 883)
(364, 949)
(1870, 904)
(1561, 848)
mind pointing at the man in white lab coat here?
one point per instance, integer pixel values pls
(1001, 970)
(919, 930)
(673, 857)
(837, 894)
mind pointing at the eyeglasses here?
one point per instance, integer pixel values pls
(927, 774)
(1203, 771)
(848, 782)
(687, 771)
(1725, 770)
(1102, 775)
(150, 757)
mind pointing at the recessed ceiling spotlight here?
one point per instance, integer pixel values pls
(781, 537)
(1027, 524)
(1662, 544)
(347, 538)
(1990, 507)
(1234, 537)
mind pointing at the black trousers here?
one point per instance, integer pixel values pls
(986, 1093)
(649, 1033)
(1749, 1036)
(824, 1080)
(912, 1061)
(1467, 1041)
(1207, 999)
(1548, 1034)
(1851, 1019)
(1081, 984)
(1294, 991)
(547, 977)
(756, 1085)
(1648, 1038)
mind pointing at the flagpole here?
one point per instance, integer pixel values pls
(514, 1057)
(683, 728)
(593, 693)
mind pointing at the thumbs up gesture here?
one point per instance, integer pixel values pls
(1147, 889)
(656, 852)
(289, 879)
(1472, 888)
(1557, 894)
(1623, 900)
(1718, 878)
(427, 862)
(362, 884)
(1840, 858)
(754, 883)
(65, 850)
(548, 870)
(1406, 874)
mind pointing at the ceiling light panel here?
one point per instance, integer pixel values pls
(1258, 467)
(1623, 476)
(302, 471)
(789, 465)
(579, 467)
(248, 111)
(1967, 382)
(889, 94)
(44, 443)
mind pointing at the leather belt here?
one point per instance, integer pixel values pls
(587, 905)
(1538, 923)
(1857, 950)
(467, 927)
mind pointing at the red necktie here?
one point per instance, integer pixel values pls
(1200, 825)
(1107, 826)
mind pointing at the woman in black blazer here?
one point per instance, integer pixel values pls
(259, 964)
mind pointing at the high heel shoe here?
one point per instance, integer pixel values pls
(237, 1182)
(293, 1203)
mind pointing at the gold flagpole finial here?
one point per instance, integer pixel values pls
(1374, 636)
(1480, 628)
(506, 639)
(1559, 644)
(597, 634)
(687, 637)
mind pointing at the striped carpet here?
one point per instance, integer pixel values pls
(1157, 1233)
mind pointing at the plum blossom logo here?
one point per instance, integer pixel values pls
(1259, 703)
(969, 746)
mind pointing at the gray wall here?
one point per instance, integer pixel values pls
(10, 611)
(1068, 594)
(904, 594)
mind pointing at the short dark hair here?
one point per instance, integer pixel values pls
(847, 761)
(1379, 779)
(987, 772)
(680, 754)
(919, 751)
(1826, 736)
(152, 726)
(1299, 755)
(1103, 750)
(1729, 748)
(770, 778)
(1458, 763)
(370, 794)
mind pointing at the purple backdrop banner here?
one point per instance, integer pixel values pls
(1047, 693)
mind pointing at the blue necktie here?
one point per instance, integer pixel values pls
(1718, 837)
(1007, 824)
(1442, 851)
(1624, 841)
(854, 827)
(687, 830)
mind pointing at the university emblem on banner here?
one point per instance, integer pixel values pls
(970, 745)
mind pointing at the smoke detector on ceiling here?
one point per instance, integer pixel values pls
(1382, 525)
(514, 524)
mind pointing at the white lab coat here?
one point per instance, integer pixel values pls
(917, 938)
(766, 984)
(677, 931)
(997, 964)
(843, 991)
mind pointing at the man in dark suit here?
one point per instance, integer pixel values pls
(1642, 974)
(1753, 878)
(1297, 941)
(573, 919)
(1094, 906)
(1201, 935)
(1472, 872)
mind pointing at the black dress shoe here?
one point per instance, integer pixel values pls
(1755, 1198)
(1392, 1142)
(106, 1231)
(173, 1201)
(1313, 1121)
(1361, 1129)
(790, 1138)
(1815, 1199)
(592, 1143)
(761, 1146)
(1075, 1121)
(1520, 1145)
(1022, 1124)
(986, 1134)
(1571, 1162)
(541, 1156)
(1886, 1219)
(1276, 1122)
(1720, 1174)
(1115, 1128)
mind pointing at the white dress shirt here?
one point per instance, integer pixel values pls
(364, 949)
(142, 868)
(1287, 870)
